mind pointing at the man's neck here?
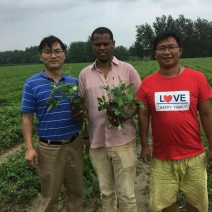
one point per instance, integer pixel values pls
(103, 64)
(54, 74)
(170, 72)
(104, 67)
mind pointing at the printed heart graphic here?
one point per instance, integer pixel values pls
(167, 98)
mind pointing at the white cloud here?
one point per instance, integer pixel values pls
(24, 23)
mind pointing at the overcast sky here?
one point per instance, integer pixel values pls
(23, 23)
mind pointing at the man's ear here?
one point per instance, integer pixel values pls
(41, 58)
(181, 50)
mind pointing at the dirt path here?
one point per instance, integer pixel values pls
(94, 203)
(6, 153)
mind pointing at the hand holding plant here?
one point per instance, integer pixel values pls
(71, 93)
(121, 102)
(68, 92)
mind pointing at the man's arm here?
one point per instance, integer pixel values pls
(27, 129)
(205, 112)
(143, 123)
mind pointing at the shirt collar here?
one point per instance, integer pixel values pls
(43, 75)
(113, 62)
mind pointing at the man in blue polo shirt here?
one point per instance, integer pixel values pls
(59, 151)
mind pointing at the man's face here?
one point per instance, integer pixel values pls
(53, 58)
(168, 52)
(103, 47)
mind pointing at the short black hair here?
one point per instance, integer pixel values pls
(102, 30)
(164, 35)
(50, 41)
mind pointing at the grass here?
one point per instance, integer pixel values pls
(18, 183)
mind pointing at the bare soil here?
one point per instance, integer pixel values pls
(94, 203)
(6, 153)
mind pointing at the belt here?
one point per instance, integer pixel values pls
(63, 142)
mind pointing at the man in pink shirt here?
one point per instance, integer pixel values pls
(112, 152)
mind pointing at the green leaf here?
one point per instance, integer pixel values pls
(117, 112)
(120, 102)
(99, 108)
(129, 86)
(49, 108)
(130, 97)
(99, 99)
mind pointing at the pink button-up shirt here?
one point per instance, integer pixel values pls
(90, 79)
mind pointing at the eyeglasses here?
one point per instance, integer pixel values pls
(171, 48)
(55, 52)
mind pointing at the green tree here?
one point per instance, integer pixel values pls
(196, 36)
(76, 52)
(90, 53)
(31, 55)
(203, 37)
(185, 28)
(79, 52)
(144, 38)
(121, 53)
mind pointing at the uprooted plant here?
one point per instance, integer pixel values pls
(68, 92)
(120, 102)
(63, 92)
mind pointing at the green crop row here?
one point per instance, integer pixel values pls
(19, 184)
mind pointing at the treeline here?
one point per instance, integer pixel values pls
(76, 52)
(196, 38)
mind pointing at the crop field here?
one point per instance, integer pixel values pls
(18, 183)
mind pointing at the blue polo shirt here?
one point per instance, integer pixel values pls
(56, 124)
